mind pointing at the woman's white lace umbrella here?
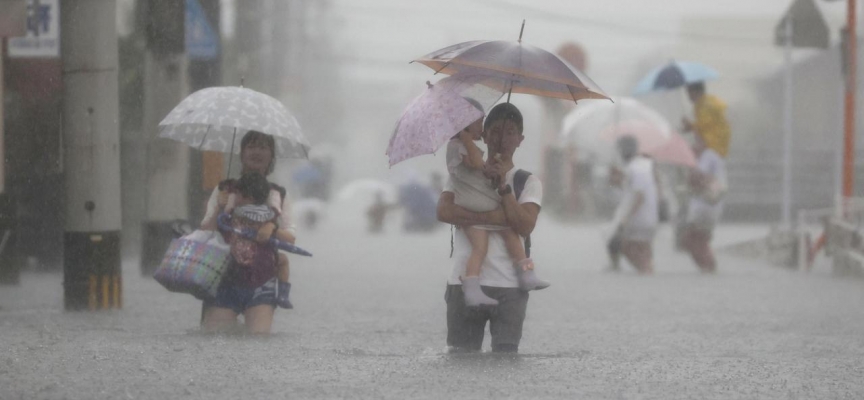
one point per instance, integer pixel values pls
(215, 119)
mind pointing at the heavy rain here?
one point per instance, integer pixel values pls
(221, 199)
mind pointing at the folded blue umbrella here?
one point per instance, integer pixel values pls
(674, 75)
(224, 224)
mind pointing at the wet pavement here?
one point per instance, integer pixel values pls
(369, 323)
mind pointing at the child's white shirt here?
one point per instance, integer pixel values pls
(471, 189)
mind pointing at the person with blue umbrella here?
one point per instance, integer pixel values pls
(710, 123)
(710, 112)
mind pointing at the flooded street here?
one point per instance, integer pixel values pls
(369, 323)
(121, 118)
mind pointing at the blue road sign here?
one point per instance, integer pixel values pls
(202, 42)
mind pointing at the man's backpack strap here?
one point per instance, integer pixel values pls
(519, 181)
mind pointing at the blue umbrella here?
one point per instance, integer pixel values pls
(674, 75)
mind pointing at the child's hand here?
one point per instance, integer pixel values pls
(265, 232)
(285, 236)
(222, 199)
(466, 136)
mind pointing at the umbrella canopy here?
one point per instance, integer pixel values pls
(216, 118)
(439, 113)
(595, 127)
(674, 75)
(518, 68)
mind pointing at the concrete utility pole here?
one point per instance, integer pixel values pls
(91, 261)
(849, 102)
(167, 161)
(247, 41)
(8, 269)
(205, 70)
(788, 91)
(802, 26)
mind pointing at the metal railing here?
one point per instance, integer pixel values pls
(847, 214)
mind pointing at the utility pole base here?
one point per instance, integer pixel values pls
(92, 273)
(10, 261)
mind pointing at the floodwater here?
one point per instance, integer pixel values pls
(369, 323)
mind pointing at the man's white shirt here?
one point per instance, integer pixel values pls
(497, 269)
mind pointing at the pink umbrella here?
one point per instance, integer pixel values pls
(665, 146)
(596, 126)
(439, 113)
(676, 150)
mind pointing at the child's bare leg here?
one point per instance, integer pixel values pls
(479, 239)
(283, 270)
(514, 246)
(474, 296)
(284, 287)
(528, 280)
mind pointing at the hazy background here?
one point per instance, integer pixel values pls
(369, 317)
(373, 41)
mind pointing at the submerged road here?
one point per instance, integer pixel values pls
(369, 323)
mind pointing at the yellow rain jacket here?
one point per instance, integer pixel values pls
(711, 123)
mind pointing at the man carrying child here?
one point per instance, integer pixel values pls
(499, 279)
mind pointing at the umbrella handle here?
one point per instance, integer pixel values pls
(231, 154)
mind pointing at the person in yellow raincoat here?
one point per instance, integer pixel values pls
(710, 124)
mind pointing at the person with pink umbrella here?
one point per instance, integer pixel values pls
(708, 185)
(636, 218)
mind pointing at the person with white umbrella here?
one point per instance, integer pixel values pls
(254, 292)
(216, 119)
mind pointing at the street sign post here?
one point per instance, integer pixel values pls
(43, 31)
(801, 26)
(202, 41)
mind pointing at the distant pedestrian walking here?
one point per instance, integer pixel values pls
(377, 212)
(708, 185)
(636, 218)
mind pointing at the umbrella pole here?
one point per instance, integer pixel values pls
(231, 154)
(521, 30)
